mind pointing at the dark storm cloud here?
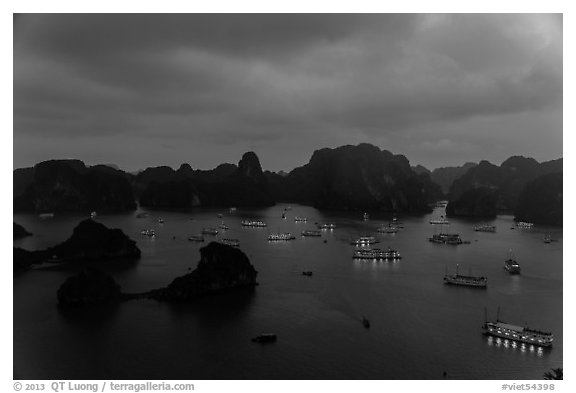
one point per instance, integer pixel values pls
(257, 78)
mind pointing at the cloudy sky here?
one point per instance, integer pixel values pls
(149, 89)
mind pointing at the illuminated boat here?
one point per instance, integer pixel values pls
(210, 231)
(300, 219)
(511, 265)
(485, 228)
(326, 226)
(256, 224)
(521, 334)
(310, 232)
(281, 236)
(364, 241)
(230, 242)
(377, 254)
(148, 232)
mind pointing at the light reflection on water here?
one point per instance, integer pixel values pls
(523, 348)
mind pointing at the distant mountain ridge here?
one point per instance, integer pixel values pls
(506, 183)
(361, 177)
(445, 176)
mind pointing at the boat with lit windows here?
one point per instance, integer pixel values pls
(485, 228)
(469, 281)
(364, 241)
(281, 236)
(524, 225)
(327, 226)
(312, 233)
(255, 224)
(148, 232)
(390, 228)
(300, 219)
(439, 221)
(210, 231)
(517, 333)
(377, 254)
(511, 265)
(230, 242)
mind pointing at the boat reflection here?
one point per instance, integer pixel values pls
(505, 344)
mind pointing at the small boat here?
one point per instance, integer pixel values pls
(230, 242)
(232, 210)
(45, 216)
(196, 238)
(160, 220)
(327, 226)
(441, 204)
(265, 338)
(219, 215)
(281, 236)
(300, 219)
(520, 334)
(283, 215)
(310, 232)
(365, 322)
(364, 241)
(511, 265)
(210, 231)
(547, 238)
(223, 226)
(256, 224)
(485, 228)
(93, 215)
(366, 216)
(307, 273)
(142, 215)
(470, 281)
(148, 232)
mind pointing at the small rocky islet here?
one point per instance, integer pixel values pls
(221, 268)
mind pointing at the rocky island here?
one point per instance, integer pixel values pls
(221, 268)
(18, 231)
(90, 241)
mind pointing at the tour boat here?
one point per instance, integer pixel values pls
(148, 232)
(517, 333)
(257, 224)
(230, 242)
(470, 281)
(326, 226)
(511, 265)
(281, 236)
(377, 254)
(300, 219)
(310, 232)
(484, 228)
(447, 238)
(440, 221)
(364, 241)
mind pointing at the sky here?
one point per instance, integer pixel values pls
(163, 89)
